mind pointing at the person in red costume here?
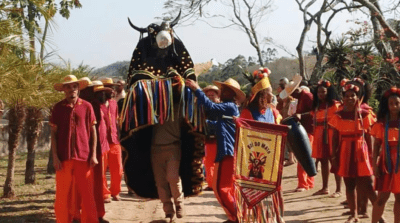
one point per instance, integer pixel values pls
(324, 108)
(113, 158)
(386, 154)
(304, 107)
(213, 93)
(350, 142)
(73, 144)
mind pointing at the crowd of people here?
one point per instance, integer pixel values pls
(84, 142)
(347, 139)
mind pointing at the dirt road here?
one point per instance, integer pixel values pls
(299, 207)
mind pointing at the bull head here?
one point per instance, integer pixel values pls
(162, 33)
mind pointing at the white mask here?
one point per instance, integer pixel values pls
(163, 39)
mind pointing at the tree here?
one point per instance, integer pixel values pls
(383, 34)
(247, 15)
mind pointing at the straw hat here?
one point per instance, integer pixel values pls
(234, 85)
(90, 84)
(261, 85)
(108, 81)
(69, 79)
(98, 86)
(291, 86)
(212, 88)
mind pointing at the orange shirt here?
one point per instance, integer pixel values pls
(346, 125)
(321, 113)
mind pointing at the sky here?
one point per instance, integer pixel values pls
(98, 34)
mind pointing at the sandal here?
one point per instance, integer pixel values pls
(365, 215)
(300, 189)
(336, 194)
(351, 219)
(288, 163)
(321, 192)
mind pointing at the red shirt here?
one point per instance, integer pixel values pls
(305, 105)
(73, 124)
(112, 122)
(100, 111)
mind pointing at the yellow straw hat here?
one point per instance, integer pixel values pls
(235, 86)
(98, 86)
(108, 81)
(212, 88)
(69, 79)
(88, 80)
(261, 85)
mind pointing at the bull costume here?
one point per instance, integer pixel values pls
(162, 125)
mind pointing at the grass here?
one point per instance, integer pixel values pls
(32, 203)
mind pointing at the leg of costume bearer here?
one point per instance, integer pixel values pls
(83, 175)
(209, 159)
(115, 165)
(64, 179)
(223, 186)
(106, 191)
(175, 183)
(98, 178)
(159, 164)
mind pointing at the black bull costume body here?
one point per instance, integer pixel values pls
(157, 59)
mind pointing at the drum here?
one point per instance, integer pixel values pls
(299, 143)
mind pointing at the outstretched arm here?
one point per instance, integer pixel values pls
(207, 103)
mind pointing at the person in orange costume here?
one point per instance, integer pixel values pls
(323, 109)
(304, 106)
(212, 92)
(73, 143)
(386, 154)
(113, 158)
(351, 136)
(261, 109)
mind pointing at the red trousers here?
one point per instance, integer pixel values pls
(223, 186)
(75, 175)
(113, 159)
(209, 160)
(304, 181)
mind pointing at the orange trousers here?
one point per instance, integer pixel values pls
(304, 181)
(98, 177)
(75, 175)
(113, 159)
(223, 186)
(209, 160)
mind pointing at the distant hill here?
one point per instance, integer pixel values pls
(118, 69)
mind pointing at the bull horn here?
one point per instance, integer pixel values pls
(173, 23)
(141, 30)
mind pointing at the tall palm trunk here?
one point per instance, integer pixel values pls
(33, 125)
(16, 117)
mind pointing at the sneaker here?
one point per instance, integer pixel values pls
(116, 198)
(179, 212)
